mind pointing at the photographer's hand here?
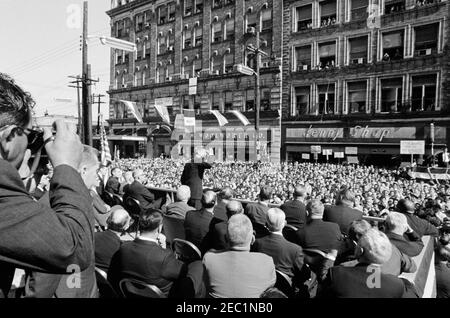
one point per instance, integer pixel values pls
(66, 147)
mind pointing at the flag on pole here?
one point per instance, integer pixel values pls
(163, 113)
(220, 118)
(241, 117)
(105, 153)
(134, 110)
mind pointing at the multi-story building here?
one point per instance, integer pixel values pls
(184, 39)
(364, 74)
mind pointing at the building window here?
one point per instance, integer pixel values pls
(426, 39)
(161, 74)
(228, 101)
(198, 36)
(198, 6)
(266, 46)
(120, 27)
(144, 77)
(327, 55)
(358, 50)
(138, 77)
(170, 71)
(328, 10)
(250, 100)
(216, 101)
(394, 6)
(162, 14)
(197, 67)
(127, 58)
(217, 32)
(119, 59)
(229, 63)
(139, 22)
(147, 48)
(186, 102)
(265, 99)
(326, 99)
(251, 21)
(357, 95)
(266, 20)
(358, 9)
(217, 65)
(303, 58)
(304, 17)
(162, 45)
(188, 69)
(424, 92)
(391, 94)
(229, 29)
(187, 34)
(188, 7)
(140, 51)
(303, 100)
(171, 45)
(197, 104)
(393, 45)
(216, 3)
(171, 9)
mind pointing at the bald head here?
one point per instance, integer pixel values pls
(209, 199)
(240, 231)
(118, 220)
(396, 223)
(375, 246)
(405, 206)
(276, 220)
(234, 207)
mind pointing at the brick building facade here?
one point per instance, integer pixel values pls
(181, 39)
(366, 74)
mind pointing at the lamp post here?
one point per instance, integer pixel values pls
(243, 69)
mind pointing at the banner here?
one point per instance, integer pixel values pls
(193, 86)
(163, 113)
(134, 110)
(220, 118)
(412, 147)
(241, 117)
(105, 153)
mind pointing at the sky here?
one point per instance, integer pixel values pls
(40, 48)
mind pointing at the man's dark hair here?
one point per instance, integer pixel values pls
(345, 196)
(150, 220)
(405, 206)
(226, 193)
(209, 199)
(265, 193)
(15, 103)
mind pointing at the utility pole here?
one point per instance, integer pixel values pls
(86, 110)
(99, 102)
(257, 95)
(78, 82)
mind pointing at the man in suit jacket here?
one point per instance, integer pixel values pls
(366, 280)
(257, 212)
(113, 184)
(237, 272)
(225, 197)
(343, 212)
(401, 235)
(32, 235)
(178, 209)
(193, 177)
(197, 223)
(139, 192)
(418, 225)
(287, 256)
(146, 259)
(318, 234)
(295, 210)
(107, 243)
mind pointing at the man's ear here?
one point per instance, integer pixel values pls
(253, 239)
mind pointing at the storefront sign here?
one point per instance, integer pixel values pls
(351, 150)
(325, 133)
(412, 147)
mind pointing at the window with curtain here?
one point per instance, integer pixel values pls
(391, 94)
(328, 10)
(188, 69)
(217, 32)
(266, 20)
(251, 21)
(326, 98)
(358, 50)
(139, 22)
(357, 94)
(171, 42)
(426, 39)
(171, 10)
(198, 36)
(304, 17)
(187, 34)
(229, 63)
(359, 9)
(140, 51)
(229, 29)
(327, 55)
(147, 48)
(393, 45)
(303, 100)
(162, 14)
(198, 6)
(197, 67)
(303, 58)
(217, 66)
(162, 45)
(188, 7)
(424, 92)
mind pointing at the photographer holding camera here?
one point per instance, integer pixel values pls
(32, 236)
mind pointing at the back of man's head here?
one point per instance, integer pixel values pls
(396, 223)
(265, 194)
(115, 171)
(240, 231)
(234, 207)
(300, 191)
(183, 193)
(226, 193)
(209, 199)
(276, 220)
(315, 209)
(150, 220)
(118, 220)
(357, 229)
(15, 103)
(374, 247)
(405, 206)
(345, 196)
(89, 157)
(137, 174)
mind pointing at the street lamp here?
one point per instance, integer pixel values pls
(243, 69)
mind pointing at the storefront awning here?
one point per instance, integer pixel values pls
(124, 138)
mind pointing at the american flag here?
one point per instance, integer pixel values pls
(105, 153)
